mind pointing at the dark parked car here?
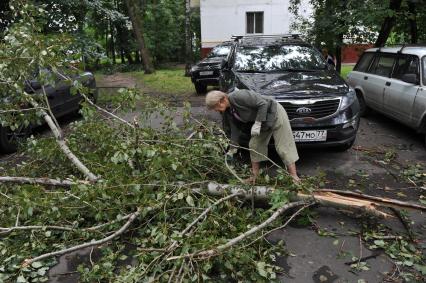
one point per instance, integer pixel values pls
(207, 71)
(322, 108)
(61, 101)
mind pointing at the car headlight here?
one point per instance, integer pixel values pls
(348, 99)
(193, 69)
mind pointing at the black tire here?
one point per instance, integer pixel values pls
(424, 144)
(364, 110)
(200, 88)
(9, 140)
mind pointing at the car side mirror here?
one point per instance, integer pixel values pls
(224, 64)
(410, 78)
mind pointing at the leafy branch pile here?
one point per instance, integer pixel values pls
(133, 190)
(153, 170)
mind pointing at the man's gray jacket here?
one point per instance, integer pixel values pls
(250, 107)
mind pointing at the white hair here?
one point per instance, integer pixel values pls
(213, 98)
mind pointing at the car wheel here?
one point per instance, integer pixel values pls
(9, 139)
(363, 108)
(200, 88)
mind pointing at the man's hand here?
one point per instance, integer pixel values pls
(255, 130)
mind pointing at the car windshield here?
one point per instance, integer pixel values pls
(278, 58)
(220, 51)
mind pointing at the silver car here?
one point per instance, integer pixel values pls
(392, 81)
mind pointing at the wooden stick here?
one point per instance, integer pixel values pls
(387, 201)
(61, 142)
(41, 181)
(106, 112)
(117, 233)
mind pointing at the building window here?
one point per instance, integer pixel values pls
(254, 22)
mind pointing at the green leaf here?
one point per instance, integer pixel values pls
(408, 263)
(36, 264)
(21, 279)
(261, 269)
(190, 201)
(420, 268)
(379, 243)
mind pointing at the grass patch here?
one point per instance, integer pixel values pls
(345, 70)
(167, 81)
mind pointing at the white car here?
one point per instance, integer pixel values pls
(392, 81)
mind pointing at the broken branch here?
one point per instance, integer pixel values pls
(236, 240)
(117, 233)
(41, 181)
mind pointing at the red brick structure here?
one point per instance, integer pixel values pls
(352, 52)
(205, 51)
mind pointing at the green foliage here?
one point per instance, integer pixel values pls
(140, 168)
(406, 255)
(167, 81)
(345, 70)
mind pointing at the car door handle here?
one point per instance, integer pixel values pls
(387, 83)
(365, 78)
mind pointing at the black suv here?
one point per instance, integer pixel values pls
(207, 71)
(322, 108)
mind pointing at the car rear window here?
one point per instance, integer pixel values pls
(383, 65)
(220, 51)
(278, 58)
(364, 62)
(406, 64)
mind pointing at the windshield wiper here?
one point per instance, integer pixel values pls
(295, 70)
(250, 71)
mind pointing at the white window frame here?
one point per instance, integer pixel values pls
(254, 21)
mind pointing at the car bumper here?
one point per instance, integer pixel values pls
(206, 81)
(341, 128)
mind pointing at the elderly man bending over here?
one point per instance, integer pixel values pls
(244, 108)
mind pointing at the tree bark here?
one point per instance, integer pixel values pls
(339, 53)
(40, 181)
(388, 23)
(332, 198)
(62, 143)
(413, 21)
(135, 15)
(188, 38)
(111, 43)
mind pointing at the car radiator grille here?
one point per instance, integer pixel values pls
(318, 109)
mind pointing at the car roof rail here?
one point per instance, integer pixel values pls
(267, 36)
(402, 45)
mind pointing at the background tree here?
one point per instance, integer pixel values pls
(135, 13)
(335, 22)
(188, 38)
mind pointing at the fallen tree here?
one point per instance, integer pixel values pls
(154, 203)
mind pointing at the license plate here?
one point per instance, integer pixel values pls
(310, 136)
(206, 73)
